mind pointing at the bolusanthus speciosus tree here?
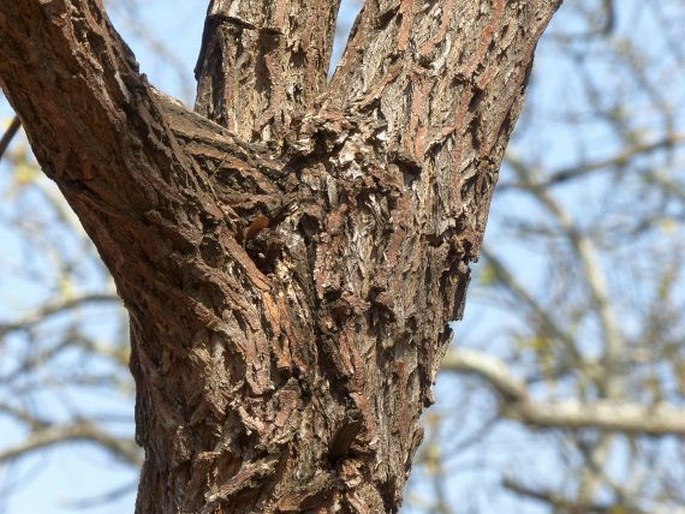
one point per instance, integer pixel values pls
(290, 250)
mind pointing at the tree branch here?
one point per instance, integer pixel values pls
(58, 307)
(447, 78)
(617, 161)
(91, 115)
(449, 62)
(610, 382)
(543, 317)
(281, 305)
(606, 415)
(9, 135)
(560, 502)
(492, 369)
(262, 63)
(121, 447)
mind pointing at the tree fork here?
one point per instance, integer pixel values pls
(289, 266)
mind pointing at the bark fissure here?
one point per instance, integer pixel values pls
(289, 261)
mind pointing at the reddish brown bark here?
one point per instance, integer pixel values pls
(288, 280)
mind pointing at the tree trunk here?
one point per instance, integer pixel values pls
(289, 253)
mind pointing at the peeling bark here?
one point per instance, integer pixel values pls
(291, 252)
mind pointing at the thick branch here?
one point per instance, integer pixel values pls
(492, 369)
(448, 78)
(451, 63)
(262, 63)
(64, 66)
(110, 142)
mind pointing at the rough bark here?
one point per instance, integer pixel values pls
(263, 62)
(289, 254)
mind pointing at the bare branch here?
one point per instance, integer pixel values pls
(51, 309)
(560, 502)
(121, 447)
(660, 419)
(542, 316)
(106, 498)
(492, 369)
(595, 277)
(617, 161)
(565, 414)
(9, 135)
